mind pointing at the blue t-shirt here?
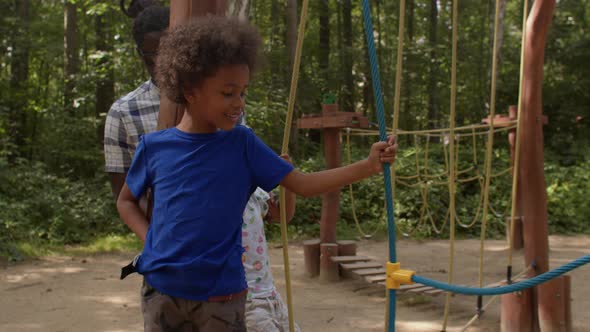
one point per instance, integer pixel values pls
(201, 184)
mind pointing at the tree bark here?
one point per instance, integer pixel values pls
(324, 48)
(239, 8)
(406, 119)
(19, 65)
(70, 54)
(347, 99)
(433, 66)
(291, 17)
(500, 40)
(105, 83)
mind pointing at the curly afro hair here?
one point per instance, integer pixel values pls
(192, 52)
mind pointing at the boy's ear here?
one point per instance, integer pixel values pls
(190, 94)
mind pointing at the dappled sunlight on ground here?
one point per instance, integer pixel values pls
(85, 293)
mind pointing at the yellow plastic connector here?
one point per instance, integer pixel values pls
(396, 276)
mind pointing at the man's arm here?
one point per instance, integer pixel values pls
(117, 182)
(131, 213)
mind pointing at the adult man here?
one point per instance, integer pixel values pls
(137, 112)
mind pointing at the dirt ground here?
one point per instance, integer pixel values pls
(84, 293)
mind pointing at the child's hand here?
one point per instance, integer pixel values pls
(382, 152)
(286, 158)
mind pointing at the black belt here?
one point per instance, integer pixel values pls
(129, 268)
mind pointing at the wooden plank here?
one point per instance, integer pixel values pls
(420, 289)
(433, 292)
(360, 265)
(375, 279)
(404, 288)
(368, 272)
(349, 259)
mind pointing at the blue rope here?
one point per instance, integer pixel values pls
(383, 137)
(505, 289)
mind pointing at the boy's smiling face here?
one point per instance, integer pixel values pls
(218, 102)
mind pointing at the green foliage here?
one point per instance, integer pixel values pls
(38, 206)
(53, 188)
(568, 204)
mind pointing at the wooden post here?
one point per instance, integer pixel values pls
(531, 172)
(311, 255)
(517, 237)
(181, 11)
(331, 121)
(553, 305)
(346, 248)
(328, 268)
(516, 314)
(331, 200)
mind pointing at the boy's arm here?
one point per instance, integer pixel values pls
(274, 208)
(131, 213)
(274, 211)
(329, 180)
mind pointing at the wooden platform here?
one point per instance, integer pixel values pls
(374, 273)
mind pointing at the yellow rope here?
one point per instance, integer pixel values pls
(490, 144)
(452, 160)
(285, 149)
(519, 130)
(350, 190)
(443, 131)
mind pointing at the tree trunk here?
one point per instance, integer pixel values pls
(105, 86)
(500, 40)
(274, 39)
(291, 30)
(347, 98)
(324, 48)
(406, 120)
(70, 54)
(433, 67)
(239, 8)
(291, 18)
(18, 80)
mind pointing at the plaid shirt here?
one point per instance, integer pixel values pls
(130, 117)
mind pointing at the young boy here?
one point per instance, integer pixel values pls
(202, 173)
(136, 114)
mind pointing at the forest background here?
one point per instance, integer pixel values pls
(63, 63)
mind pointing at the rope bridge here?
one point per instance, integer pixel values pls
(395, 276)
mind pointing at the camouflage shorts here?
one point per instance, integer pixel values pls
(163, 313)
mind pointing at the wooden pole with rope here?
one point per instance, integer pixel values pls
(543, 308)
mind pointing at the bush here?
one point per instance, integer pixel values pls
(36, 205)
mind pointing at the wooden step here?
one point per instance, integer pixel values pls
(434, 292)
(375, 279)
(360, 265)
(349, 259)
(368, 272)
(405, 288)
(420, 289)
